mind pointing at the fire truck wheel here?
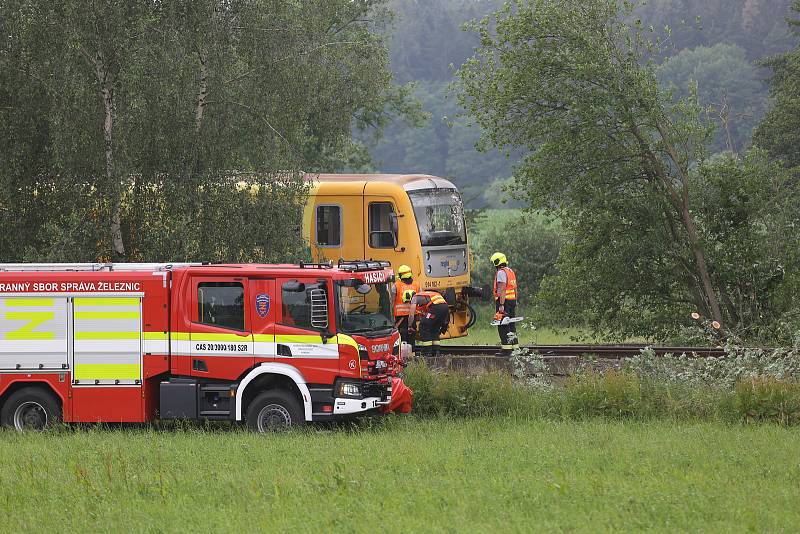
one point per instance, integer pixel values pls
(30, 409)
(274, 411)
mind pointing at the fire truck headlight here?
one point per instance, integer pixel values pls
(348, 389)
(380, 364)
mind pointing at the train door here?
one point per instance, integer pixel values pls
(380, 222)
(220, 341)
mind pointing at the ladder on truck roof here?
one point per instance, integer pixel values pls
(60, 267)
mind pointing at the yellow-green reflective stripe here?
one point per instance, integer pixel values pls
(34, 318)
(297, 339)
(425, 343)
(107, 315)
(107, 335)
(344, 339)
(181, 336)
(101, 301)
(122, 371)
(264, 337)
(29, 302)
(156, 335)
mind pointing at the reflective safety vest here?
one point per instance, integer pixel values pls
(511, 284)
(426, 299)
(400, 307)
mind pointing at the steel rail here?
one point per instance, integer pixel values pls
(599, 351)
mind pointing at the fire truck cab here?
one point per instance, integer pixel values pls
(274, 346)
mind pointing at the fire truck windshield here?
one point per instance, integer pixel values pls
(364, 312)
(440, 216)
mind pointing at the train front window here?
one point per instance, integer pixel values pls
(440, 216)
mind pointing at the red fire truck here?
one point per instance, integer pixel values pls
(272, 345)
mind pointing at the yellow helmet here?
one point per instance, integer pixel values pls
(404, 271)
(408, 294)
(498, 259)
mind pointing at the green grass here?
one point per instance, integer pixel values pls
(407, 475)
(485, 334)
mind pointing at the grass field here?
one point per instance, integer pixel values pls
(406, 475)
(484, 334)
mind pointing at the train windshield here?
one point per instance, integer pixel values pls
(440, 216)
(365, 309)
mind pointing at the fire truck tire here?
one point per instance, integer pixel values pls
(30, 408)
(274, 411)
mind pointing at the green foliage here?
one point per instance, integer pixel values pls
(769, 399)
(625, 166)
(444, 145)
(727, 82)
(139, 120)
(779, 133)
(458, 394)
(530, 242)
(749, 385)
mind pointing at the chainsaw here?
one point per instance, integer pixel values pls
(501, 318)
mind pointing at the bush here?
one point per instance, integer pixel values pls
(766, 398)
(750, 386)
(530, 243)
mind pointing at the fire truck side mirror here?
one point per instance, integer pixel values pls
(319, 308)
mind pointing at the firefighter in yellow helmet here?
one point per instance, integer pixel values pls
(505, 299)
(405, 282)
(434, 317)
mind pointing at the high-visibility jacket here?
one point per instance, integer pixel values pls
(511, 284)
(426, 299)
(402, 308)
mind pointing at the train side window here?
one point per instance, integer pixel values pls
(382, 226)
(221, 304)
(329, 226)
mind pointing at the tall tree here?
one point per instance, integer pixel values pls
(728, 84)
(779, 133)
(574, 84)
(129, 124)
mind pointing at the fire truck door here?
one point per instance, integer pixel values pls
(107, 358)
(107, 341)
(220, 341)
(261, 299)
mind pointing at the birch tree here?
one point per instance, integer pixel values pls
(142, 117)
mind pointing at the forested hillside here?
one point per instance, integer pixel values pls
(716, 43)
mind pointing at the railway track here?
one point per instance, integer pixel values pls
(610, 352)
(599, 350)
(562, 360)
